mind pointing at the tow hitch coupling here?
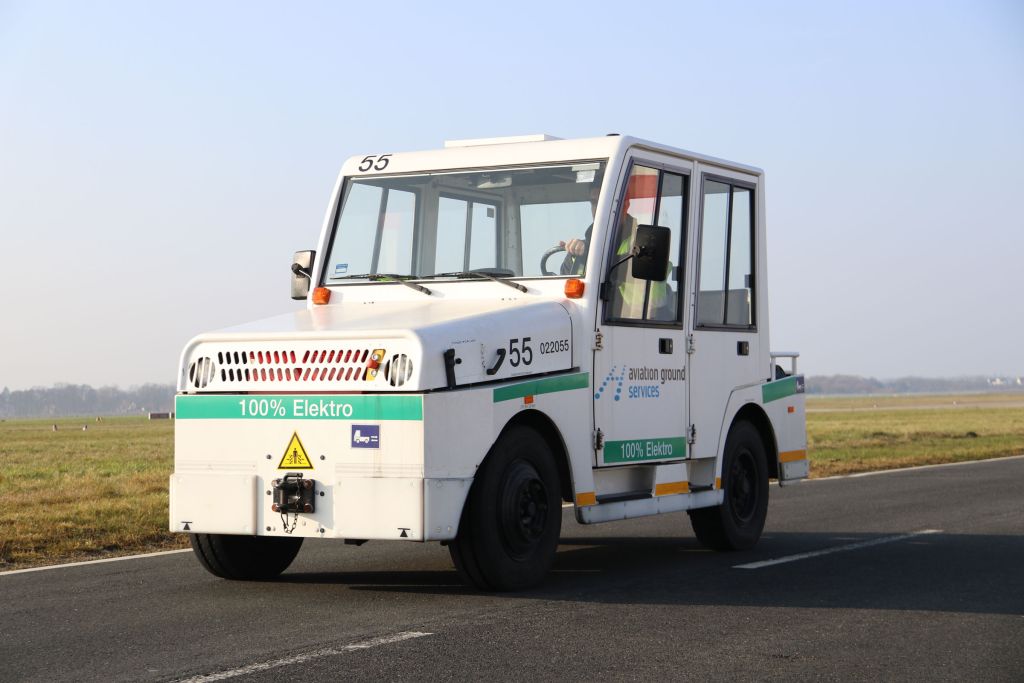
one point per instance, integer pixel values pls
(294, 494)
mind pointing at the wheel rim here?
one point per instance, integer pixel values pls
(742, 485)
(523, 510)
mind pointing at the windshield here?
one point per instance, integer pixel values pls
(504, 221)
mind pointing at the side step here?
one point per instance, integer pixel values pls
(626, 495)
(630, 505)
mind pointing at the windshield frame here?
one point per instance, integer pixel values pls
(602, 178)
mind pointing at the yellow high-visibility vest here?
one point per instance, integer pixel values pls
(631, 291)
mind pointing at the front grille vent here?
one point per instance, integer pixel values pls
(398, 369)
(277, 365)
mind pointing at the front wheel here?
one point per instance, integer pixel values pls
(245, 558)
(737, 523)
(510, 524)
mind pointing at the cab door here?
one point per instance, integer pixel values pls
(725, 352)
(640, 370)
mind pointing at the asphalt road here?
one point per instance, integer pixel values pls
(924, 579)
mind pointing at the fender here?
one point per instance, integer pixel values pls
(746, 398)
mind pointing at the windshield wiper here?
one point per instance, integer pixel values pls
(385, 277)
(467, 274)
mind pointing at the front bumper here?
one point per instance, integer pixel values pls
(365, 454)
(371, 508)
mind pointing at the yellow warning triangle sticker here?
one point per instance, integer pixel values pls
(295, 457)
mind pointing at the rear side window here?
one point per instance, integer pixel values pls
(725, 291)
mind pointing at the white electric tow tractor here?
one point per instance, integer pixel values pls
(492, 329)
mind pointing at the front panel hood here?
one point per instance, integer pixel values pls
(385, 346)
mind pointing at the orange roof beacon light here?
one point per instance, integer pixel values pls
(321, 295)
(574, 288)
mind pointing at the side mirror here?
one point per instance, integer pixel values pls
(302, 273)
(651, 248)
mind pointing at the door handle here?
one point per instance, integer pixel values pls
(501, 359)
(665, 345)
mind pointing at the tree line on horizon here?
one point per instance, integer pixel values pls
(855, 384)
(82, 400)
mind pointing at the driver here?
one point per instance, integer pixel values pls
(576, 249)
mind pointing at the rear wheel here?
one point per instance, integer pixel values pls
(737, 523)
(510, 524)
(244, 558)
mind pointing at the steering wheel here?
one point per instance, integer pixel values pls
(546, 255)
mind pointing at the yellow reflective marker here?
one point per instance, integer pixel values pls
(584, 499)
(792, 456)
(672, 488)
(373, 364)
(295, 457)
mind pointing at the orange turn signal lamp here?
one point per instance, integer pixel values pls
(321, 295)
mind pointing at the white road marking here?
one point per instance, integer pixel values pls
(308, 656)
(915, 467)
(87, 562)
(837, 549)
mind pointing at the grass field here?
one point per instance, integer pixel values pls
(72, 494)
(863, 433)
(75, 494)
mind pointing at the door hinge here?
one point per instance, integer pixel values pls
(691, 435)
(598, 439)
(598, 340)
(690, 346)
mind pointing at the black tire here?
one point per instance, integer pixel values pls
(510, 524)
(737, 523)
(245, 558)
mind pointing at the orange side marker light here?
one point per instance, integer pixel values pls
(321, 295)
(574, 288)
(790, 409)
(528, 400)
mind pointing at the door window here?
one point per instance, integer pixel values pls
(725, 291)
(649, 193)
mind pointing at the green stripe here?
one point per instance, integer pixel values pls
(780, 388)
(329, 407)
(638, 450)
(579, 380)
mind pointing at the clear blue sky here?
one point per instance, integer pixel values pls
(160, 162)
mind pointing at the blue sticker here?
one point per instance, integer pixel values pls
(365, 436)
(340, 269)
